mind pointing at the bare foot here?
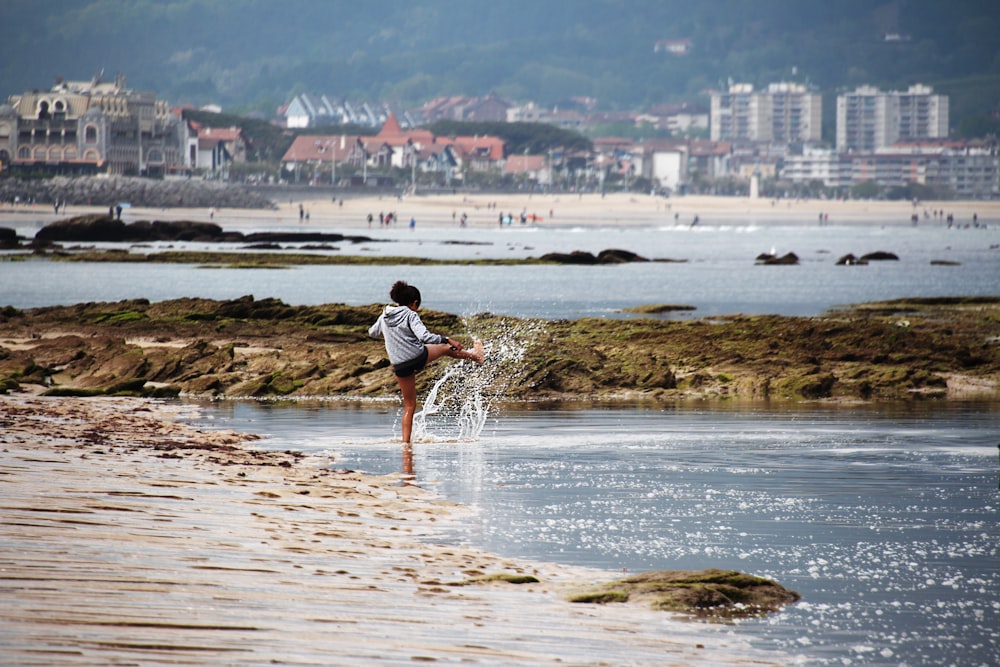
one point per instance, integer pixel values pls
(480, 351)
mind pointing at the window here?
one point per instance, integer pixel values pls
(90, 134)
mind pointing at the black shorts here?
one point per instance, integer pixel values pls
(411, 367)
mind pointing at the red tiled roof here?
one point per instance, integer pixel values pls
(317, 148)
(493, 146)
(519, 164)
(219, 133)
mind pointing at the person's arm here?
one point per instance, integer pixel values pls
(424, 335)
(375, 331)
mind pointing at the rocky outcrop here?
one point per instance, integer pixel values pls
(711, 593)
(851, 260)
(788, 259)
(8, 239)
(264, 347)
(106, 229)
(145, 192)
(610, 256)
(879, 256)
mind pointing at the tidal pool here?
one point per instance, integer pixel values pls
(884, 518)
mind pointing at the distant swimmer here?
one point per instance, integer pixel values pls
(411, 346)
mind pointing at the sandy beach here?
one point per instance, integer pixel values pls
(131, 538)
(435, 210)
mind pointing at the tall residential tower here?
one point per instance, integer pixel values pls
(869, 119)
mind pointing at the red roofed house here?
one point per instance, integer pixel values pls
(528, 167)
(322, 153)
(479, 153)
(219, 146)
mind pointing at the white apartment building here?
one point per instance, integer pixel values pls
(869, 119)
(785, 113)
(966, 169)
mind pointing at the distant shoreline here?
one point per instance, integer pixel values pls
(436, 211)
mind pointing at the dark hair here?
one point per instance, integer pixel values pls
(404, 294)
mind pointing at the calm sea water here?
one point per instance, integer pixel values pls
(884, 518)
(718, 275)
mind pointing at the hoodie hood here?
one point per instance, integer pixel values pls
(396, 315)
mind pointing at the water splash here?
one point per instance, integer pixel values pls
(458, 404)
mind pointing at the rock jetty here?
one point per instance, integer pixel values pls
(145, 192)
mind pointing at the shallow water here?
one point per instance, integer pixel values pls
(718, 275)
(883, 518)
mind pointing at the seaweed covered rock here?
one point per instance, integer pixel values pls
(711, 593)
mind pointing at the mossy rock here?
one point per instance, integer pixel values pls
(505, 578)
(714, 594)
(8, 385)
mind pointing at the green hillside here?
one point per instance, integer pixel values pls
(255, 54)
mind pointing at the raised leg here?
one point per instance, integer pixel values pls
(476, 354)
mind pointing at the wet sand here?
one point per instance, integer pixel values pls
(130, 538)
(350, 211)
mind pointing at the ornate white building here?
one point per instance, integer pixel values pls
(92, 126)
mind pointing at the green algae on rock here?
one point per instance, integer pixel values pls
(912, 349)
(712, 593)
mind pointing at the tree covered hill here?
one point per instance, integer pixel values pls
(255, 54)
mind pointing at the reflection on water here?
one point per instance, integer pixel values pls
(883, 518)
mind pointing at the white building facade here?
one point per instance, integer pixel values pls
(869, 119)
(784, 113)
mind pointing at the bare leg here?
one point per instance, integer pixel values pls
(476, 354)
(408, 387)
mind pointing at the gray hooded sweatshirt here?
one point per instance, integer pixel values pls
(405, 335)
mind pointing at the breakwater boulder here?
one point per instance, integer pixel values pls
(145, 192)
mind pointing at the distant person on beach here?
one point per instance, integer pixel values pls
(410, 346)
